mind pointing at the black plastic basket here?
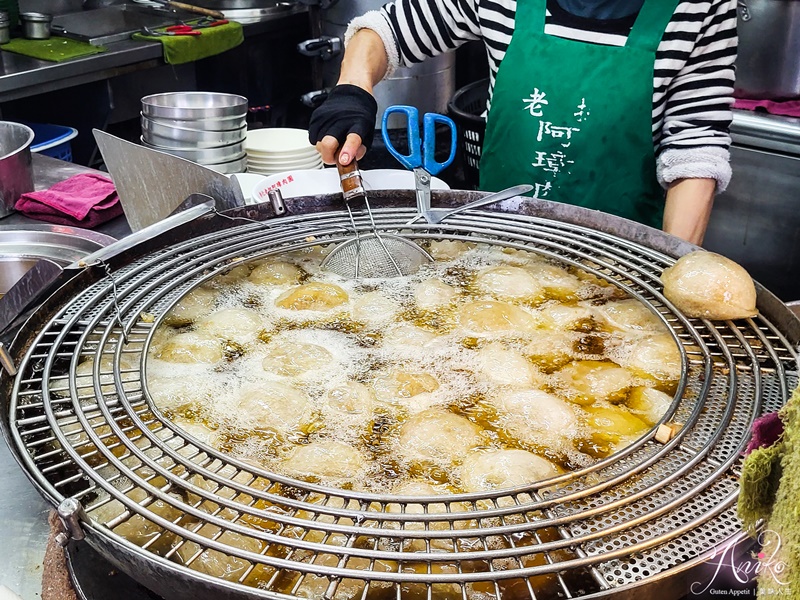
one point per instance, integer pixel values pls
(466, 108)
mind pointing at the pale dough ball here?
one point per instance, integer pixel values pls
(615, 424)
(324, 460)
(85, 379)
(239, 325)
(352, 398)
(289, 359)
(436, 435)
(406, 336)
(564, 317)
(192, 347)
(232, 277)
(656, 356)
(505, 281)
(555, 280)
(276, 273)
(273, 406)
(191, 307)
(499, 365)
(648, 404)
(432, 293)
(487, 317)
(588, 381)
(170, 393)
(398, 386)
(550, 349)
(536, 417)
(629, 315)
(448, 249)
(374, 308)
(197, 430)
(502, 469)
(313, 296)
(709, 286)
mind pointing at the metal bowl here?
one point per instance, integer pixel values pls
(202, 124)
(203, 156)
(22, 248)
(16, 170)
(170, 136)
(194, 105)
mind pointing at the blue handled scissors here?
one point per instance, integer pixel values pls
(420, 157)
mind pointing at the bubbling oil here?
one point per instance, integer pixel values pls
(412, 376)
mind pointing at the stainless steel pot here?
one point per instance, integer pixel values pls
(200, 106)
(36, 26)
(642, 521)
(768, 63)
(16, 170)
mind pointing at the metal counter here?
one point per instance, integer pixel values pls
(23, 512)
(22, 76)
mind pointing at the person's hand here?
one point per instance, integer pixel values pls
(346, 119)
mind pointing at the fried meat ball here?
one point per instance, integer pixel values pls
(587, 381)
(313, 296)
(490, 317)
(655, 356)
(291, 358)
(191, 347)
(709, 286)
(535, 417)
(276, 273)
(444, 250)
(273, 406)
(432, 293)
(648, 404)
(239, 325)
(191, 307)
(502, 366)
(435, 435)
(629, 315)
(505, 281)
(502, 469)
(325, 460)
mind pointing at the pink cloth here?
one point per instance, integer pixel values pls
(766, 431)
(85, 200)
(786, 108)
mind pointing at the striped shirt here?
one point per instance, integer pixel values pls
(693, 74)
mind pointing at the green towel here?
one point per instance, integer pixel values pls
(778, 503)
(179, 49)
(55, 49)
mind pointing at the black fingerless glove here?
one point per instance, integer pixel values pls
(348, 109)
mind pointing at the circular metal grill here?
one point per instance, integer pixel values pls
(628, 520)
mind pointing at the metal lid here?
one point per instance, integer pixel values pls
(35, 17)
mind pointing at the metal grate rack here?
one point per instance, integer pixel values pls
(633, 519)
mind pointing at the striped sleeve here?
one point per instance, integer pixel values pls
(692, 127)
(421, 29)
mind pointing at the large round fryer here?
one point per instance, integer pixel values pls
(645, 519)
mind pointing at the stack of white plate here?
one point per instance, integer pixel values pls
(277, 150)
(208, 128)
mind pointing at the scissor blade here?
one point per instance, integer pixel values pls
(422, 182)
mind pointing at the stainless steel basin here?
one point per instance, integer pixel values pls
(22, 248)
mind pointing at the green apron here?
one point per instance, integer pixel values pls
(574, 119)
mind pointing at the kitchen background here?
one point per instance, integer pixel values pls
(291, 55)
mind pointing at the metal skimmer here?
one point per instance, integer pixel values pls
(643, 517)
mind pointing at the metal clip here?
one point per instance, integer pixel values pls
(278, 204)
(70, 512)
(6, 361)
(325, 47)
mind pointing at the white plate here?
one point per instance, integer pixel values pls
(268, 173)
(306, 163)
(277, 140)
(248, 182)
(326, 181)
(307, 153)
